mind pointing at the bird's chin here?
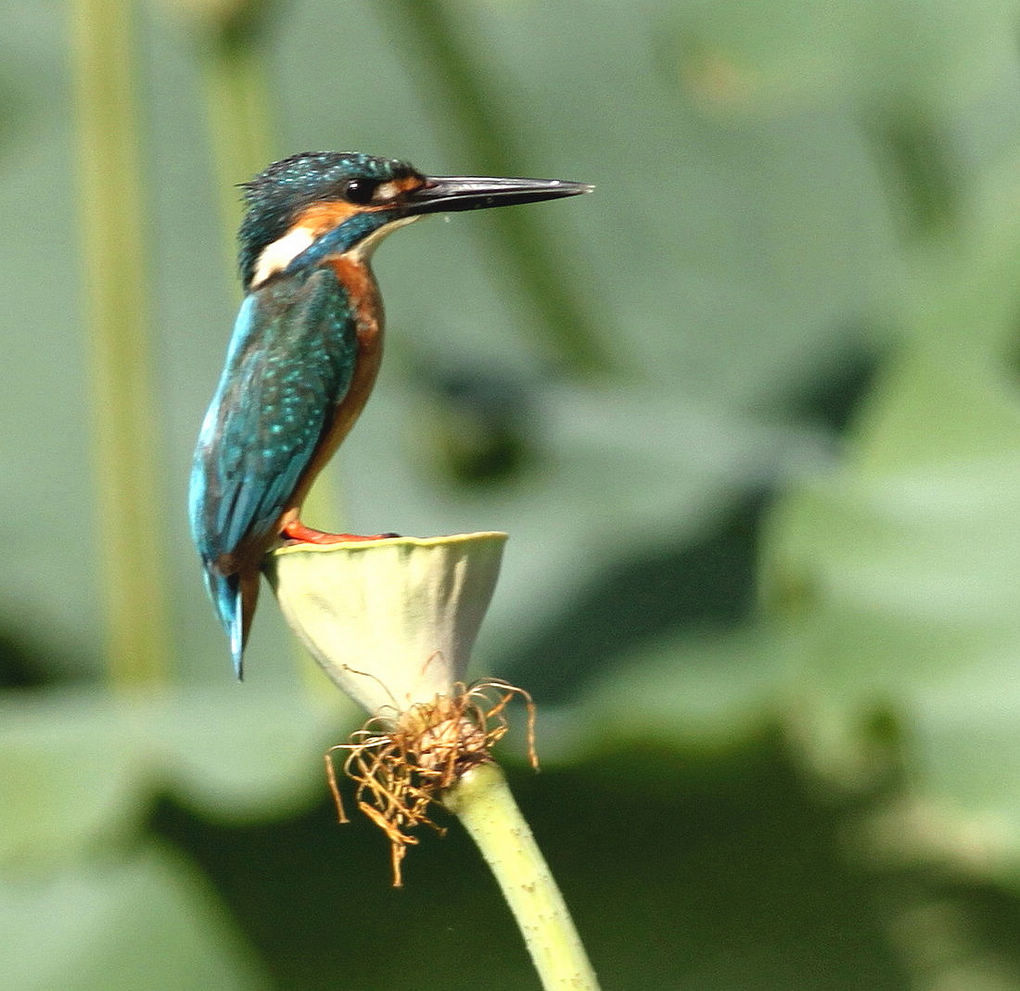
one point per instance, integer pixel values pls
(365, 248)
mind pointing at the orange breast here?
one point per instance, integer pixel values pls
(356, 277)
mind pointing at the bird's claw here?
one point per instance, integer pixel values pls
(296, 532)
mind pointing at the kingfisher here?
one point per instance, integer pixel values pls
(305, 350)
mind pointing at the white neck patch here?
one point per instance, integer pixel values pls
(275, 257)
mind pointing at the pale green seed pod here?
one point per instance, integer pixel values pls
(392, 621)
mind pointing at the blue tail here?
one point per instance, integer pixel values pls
(225, 592)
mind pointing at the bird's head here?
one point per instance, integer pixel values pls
(315, 205)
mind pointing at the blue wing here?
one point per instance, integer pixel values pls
(289, 363)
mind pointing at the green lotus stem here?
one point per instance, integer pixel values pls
(452, 67)
(239, 111)
(130, 515)
(237, 100)
(482, 801)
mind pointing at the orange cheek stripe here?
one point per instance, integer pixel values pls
(322, 217)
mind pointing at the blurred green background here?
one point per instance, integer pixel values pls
(750, 414)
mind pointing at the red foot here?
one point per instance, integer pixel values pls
(297, 531)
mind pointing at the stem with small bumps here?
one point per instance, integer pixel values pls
(482, 801)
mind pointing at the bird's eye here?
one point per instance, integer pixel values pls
(359, 191)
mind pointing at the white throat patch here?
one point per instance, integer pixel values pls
(365, 248)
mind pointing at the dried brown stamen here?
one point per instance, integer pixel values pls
(401, 766)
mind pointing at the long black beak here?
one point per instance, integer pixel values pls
(446, 194)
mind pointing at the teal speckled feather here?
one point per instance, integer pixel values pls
(289, 365)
